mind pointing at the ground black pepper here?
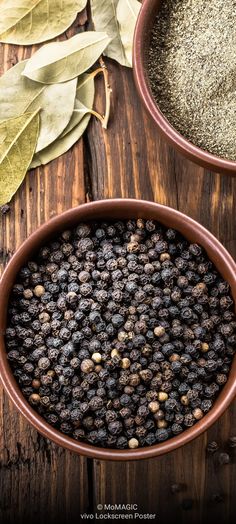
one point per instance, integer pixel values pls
(192, 73)
(121, 334)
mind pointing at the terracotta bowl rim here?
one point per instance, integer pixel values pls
(111, 208)
(187, 148)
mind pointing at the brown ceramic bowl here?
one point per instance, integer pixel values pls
(114, 209)
(142, 36)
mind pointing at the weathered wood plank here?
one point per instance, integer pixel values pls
(39, 481)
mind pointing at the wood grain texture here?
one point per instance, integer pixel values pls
(40, 482)
(132, 160)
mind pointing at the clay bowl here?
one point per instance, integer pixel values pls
(142, 36)
(114, 209)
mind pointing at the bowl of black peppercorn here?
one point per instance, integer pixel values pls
(118, 329)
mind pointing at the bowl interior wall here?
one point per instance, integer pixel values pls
(147, 31)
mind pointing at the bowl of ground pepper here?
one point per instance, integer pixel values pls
(118, 329)
(184, 68)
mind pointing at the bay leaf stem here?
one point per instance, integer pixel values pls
(108, 92)
(96, 72)
(103, 69)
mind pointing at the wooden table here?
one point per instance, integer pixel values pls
(39, 482)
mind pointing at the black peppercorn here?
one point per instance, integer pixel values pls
(217, 498)
(146, 375)
(115, 428)
(223, 459)
(177, 488)
(212, 447)
(161, 435)
(232, 442)
(187, 504)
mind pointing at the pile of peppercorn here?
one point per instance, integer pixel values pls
(122, 333)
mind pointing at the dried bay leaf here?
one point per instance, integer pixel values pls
(33, 21)
(3, 136)
(17, 145)
(105, 19)
(118, 19)
(62, 61)
(83, 105)
(15, 92)
(57, 107)
(84, 99)
(61, 145)
(85, 91)
(127, 14)
(19, 94)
